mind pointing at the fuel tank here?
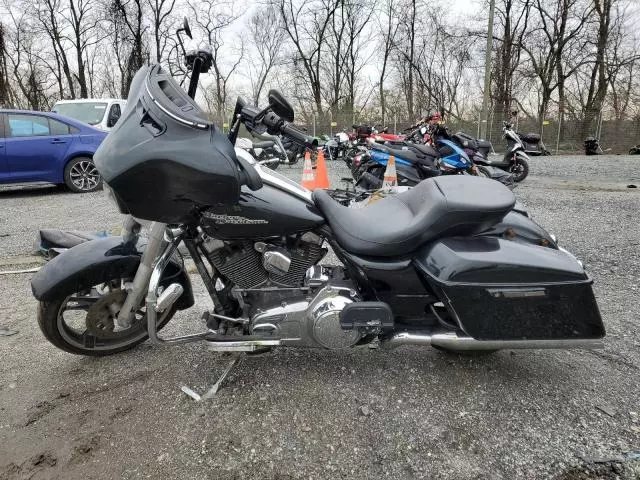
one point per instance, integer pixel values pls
(270, 211)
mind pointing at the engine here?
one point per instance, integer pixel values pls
(252, 265)
(285, 295)
(312, 319)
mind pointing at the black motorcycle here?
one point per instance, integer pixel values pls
(533, 145)
(448, 263)
(515, 159)
(592, 146)
(478, 150)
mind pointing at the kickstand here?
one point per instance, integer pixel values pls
(216, 386)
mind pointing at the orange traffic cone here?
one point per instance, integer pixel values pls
(390, 175)
(322, 179)
(307, 173)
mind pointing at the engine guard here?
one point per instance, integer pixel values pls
(89, 263)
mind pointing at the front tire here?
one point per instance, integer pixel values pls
(82, 176)
(520, 170)
(92, 333)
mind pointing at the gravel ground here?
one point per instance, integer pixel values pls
(410, 413)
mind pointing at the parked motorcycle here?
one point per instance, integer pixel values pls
(432, 131)
(268, 152)
(448, 263)
(592, 146)
(366, 135)
(515, 159)
(337, 147)
(414, 163)
(532, 144)
(476, 149)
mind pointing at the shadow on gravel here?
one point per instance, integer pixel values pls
(603, 471)
(32, 191)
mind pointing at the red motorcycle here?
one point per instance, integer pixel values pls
(365, 134)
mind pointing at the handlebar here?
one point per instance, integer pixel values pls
(275, 124)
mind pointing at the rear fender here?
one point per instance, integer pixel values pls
(89, 263)
(517, 226)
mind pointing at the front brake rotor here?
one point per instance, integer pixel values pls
(100, 320)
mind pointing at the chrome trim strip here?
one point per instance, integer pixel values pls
(451, 341)
(276, 180)
(184, 121)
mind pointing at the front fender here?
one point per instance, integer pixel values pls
(90, 263)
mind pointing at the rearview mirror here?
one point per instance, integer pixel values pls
(280, 105)
(187, 29)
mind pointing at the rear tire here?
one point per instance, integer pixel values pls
(82, 176)
(520, 170)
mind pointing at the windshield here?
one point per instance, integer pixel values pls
(90, 112)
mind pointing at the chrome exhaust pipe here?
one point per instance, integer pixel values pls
(454, 342)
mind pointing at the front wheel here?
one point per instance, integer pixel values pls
(84, 323)
(520, 169)
(483, 171)
(82, 176)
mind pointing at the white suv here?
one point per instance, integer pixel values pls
(99, 113)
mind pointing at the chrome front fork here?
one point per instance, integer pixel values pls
(130, 232)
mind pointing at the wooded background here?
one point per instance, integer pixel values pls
(571, 68)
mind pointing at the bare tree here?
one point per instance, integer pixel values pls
(389, 27)
(558, 23)
(128, 20)
(6, 96)
(160, 13)
(307, 25)
(27, 72)
(406, 47)
(512, 18)
(359, 14)
(48, 14)
(599, 77)
(267, 38)
(83, 36)
(212, 17)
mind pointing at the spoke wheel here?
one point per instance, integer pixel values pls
(81, 175)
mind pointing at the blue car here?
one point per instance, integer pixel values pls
(47, 147)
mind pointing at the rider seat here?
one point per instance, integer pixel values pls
(400, 223)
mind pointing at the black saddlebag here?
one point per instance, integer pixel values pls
(501, 290)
